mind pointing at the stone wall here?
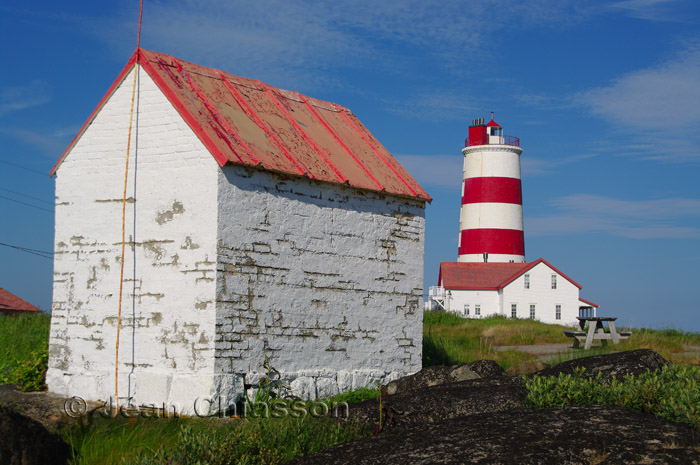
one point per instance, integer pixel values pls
(324, 279)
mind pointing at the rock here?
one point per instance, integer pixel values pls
(572, 435)
(612, 366)
(435, 375)
(437, 403)
(24, 441)
(526, 368)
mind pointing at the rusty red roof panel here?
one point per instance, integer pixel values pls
(247, 122)
(11, 303)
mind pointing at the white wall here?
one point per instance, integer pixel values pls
(543, 296)
(167, 335)
(326, 281)
(488, 299)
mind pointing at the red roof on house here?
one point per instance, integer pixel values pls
(486, 276)
(11, 303)
(588, 302)
(246, 122)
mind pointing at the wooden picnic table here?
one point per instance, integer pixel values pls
(596, 331)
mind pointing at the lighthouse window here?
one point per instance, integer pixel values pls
(554, 281)
(527, 281)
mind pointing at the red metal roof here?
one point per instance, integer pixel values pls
(483, 276)
(11, 303)
(247, 122)
(588, 302)
(493, 123)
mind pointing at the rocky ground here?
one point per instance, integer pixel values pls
(471, 413)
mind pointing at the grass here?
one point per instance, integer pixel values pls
(672, 393)
(449, 339)
(150, 441)
(23, 339)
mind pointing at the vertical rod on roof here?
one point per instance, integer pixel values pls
(138, 34)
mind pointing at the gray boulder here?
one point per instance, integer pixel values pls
(611, 366)
(435, 375)
(441, 402)
(24, 441)
(557, 436)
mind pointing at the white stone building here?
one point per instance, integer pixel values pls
(258, 222)
(534, 290)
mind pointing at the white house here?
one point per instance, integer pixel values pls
(257, 221)
(534, 290)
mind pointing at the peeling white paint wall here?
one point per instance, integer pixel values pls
(222, 266)
(324, 279)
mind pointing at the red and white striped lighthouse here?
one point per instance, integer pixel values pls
(491, 218)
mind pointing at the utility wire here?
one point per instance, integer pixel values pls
(25, 195)
(40, 253)
(25, 203)
(23, 168)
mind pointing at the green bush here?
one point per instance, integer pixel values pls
(24, 341)
(672, 393)
(30, 375)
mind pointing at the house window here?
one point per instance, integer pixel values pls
(514, 310)
(557, 314)
(477, 309)
(554, 281)
(527, 281)
(532, 311)
(466, 309)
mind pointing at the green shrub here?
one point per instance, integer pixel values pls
(30, 375)
(24, 341)
(672, 393)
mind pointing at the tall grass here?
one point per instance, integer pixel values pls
(449, 339)
(23, 339)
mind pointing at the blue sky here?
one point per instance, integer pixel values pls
(605, 97)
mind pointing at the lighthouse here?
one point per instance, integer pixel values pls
(491, 276)
(491, 216)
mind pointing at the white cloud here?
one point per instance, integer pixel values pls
(656, 10)
(636, 219)
(15, 98)
(51, 143)
(664, 97)
(532, 166)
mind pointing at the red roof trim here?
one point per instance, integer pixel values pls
(342, 144)
(588, 302)
(378, 153)
(99, 106)
(180, 107)
(217, 118)
(493, 123)
(246, 108)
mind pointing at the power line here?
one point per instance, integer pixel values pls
(25, 195)
(25, 203)
(40, 253)
(23, 167)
